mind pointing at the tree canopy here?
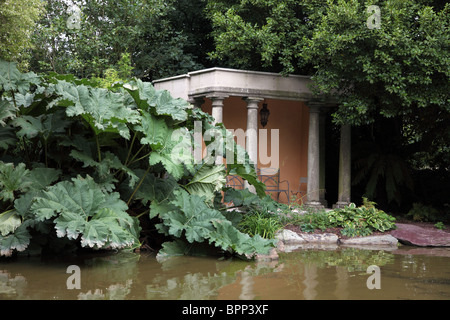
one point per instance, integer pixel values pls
(17, 20)
(401, 67)
(160, 39)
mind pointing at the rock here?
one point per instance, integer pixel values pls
(383, 240)
(419, 236)
(289, 237)
(273, 255)
(326, 238)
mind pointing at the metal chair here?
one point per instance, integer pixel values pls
(271, 178)
(235, 182)
(300, 193)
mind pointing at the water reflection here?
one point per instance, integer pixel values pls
(302, 274)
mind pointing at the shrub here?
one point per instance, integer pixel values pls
(362, 220)
(421, 212)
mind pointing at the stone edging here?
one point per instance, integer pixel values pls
(289, 240)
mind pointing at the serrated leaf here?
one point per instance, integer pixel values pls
(153, 189)
(7, 137)
(165, 104)
(103, 110)
(208, 180)
(12, 179)
(7, 111)
(40, 178)
(196, 222)
(105, 167)
(19, 240)
(82, 209)
(227, 236)
(43, 125)
(9, 221)
(156, 131)
(160, 101)
(193, 217)
(11, 79)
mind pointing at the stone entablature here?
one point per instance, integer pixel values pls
(240, 83)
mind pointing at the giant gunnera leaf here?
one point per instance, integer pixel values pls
(81, 209)
(190, 218)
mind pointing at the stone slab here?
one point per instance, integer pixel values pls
(383, 240)
(419, 236)
(291, 237)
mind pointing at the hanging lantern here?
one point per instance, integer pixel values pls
(264, 115)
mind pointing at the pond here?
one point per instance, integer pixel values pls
(342, 273)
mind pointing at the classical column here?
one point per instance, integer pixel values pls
(313, 186)
(345, 167)
(217, 114)
(322, 133)
(217, 107)
(251, 143)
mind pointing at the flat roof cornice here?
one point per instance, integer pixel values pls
(234, 82)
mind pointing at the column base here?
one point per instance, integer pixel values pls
(314, 205)
(340, 205)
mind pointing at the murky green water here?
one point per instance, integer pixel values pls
(406, 273)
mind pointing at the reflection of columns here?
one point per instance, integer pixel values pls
(247, 286)
(344, 191)
(251, 144)
(341, 291)
(310, 281)
(313, 186)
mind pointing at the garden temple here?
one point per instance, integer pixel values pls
(295, 126)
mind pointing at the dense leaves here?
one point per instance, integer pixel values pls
(87, 165)
(157, 40)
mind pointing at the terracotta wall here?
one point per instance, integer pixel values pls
(291, 118)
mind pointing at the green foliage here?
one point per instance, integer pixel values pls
(440, 225)
(309, 222)
(387, 71)
(421, 212)
(81, 209)
(262, 223)
(255, 215)
(361, 221)
(133, 38)
(17, 21)
(90, 161)
(193, 219)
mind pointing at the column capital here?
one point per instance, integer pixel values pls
(252, 102)
(217, 96)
